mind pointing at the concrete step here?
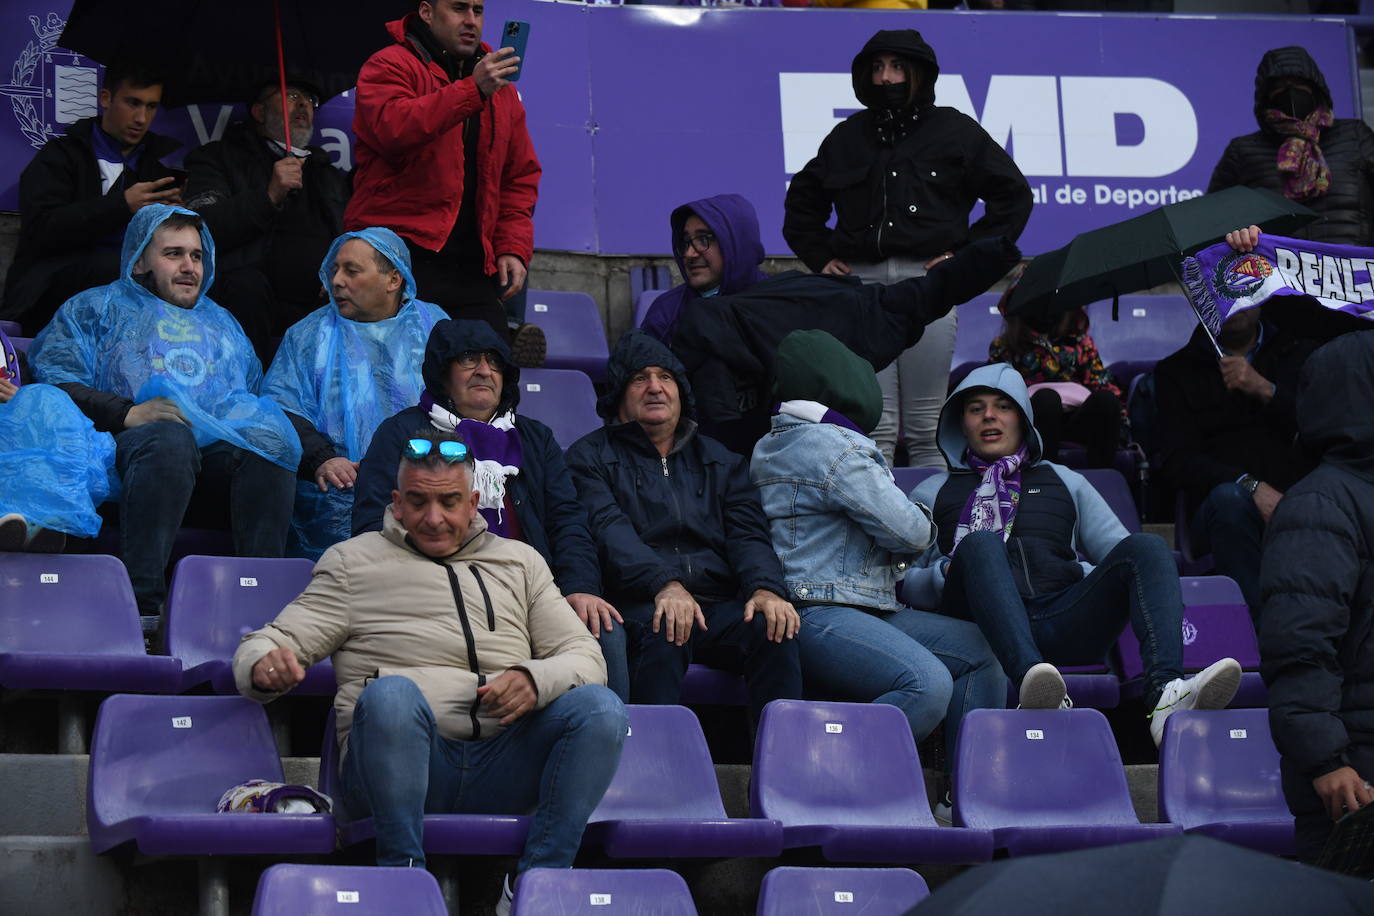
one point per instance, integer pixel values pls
(58, 876)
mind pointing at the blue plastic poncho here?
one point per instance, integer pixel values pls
(123, 339)
(346, 377)
(54, 467)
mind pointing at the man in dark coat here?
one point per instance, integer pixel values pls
(1301, 150)
(1317, 628)
(682, 536)
(78, 194)
(273, 213)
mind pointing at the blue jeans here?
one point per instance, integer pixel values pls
(931, 667)
(556, 762)
(161, 467)
(614, 648)
(1228, 525)
(772, 671)
(1137, 582)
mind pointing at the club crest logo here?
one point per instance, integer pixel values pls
(1189, 632)
(50, 87)
(1241, 275)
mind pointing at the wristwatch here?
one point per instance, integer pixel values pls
(1249, 483)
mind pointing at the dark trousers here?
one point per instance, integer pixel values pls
(458, 286)
(1096, 424)
(771, 670)
(1228, 525)
(161, 468)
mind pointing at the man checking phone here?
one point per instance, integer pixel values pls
(79, 192)
(445, 160)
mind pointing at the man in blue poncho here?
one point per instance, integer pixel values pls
(152, 360)
(345, 368)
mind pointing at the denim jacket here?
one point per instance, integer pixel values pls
(843, 529)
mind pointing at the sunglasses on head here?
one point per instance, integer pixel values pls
(450, 451)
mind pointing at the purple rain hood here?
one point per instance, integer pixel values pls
(736, 227)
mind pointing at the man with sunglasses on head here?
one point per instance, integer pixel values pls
(527, 494)
(274, 207)
(465, 683)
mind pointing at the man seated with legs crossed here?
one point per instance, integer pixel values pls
(466, 682)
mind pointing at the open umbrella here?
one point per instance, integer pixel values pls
(1176, 876)
(1145, 250)
(222, 52)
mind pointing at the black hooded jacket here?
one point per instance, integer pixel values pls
(550, 518)
(693, 516)
(1344, 214)
(1316, 627)
(902, 183)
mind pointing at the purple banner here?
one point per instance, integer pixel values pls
(636, 109)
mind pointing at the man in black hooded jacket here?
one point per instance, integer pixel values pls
(1317, 628)
(1293, 110)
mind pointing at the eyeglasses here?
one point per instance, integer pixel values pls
(293, 97)
(701, 242)
(469, 359)
(450, 451)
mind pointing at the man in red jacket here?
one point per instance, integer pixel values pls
(445, 160)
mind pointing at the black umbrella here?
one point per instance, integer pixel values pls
(1176, 876)
(1145, 251)
(224, 51)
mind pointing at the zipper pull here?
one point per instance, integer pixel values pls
(664, 462)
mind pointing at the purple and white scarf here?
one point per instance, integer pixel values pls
(496, 455)
(992, 506)
(816, 412)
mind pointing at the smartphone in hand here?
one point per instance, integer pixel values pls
(515, 34)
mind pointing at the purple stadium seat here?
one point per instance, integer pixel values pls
(349, 890)
(21, 344)
(1117, 492)
(1045, 781)
(159, 766)
(1219, 776)
(572, 325)
(703, 685)
(646, 299)
(11, 328)
(213, 542)
(845, 777)
(562, 399)
(444, 834)
(214, 601)
(908, 479)
(791, 891)
(979, 323)
(1149, 329)
(602, 892)
(69, 622)
(665, 802)
(1216, 623)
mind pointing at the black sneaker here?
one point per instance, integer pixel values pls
(14, 531)
(528, 347)
(45, 540)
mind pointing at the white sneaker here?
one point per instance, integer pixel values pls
(504, 904)
(1043, 688)
(1211, 688)
(944, 811)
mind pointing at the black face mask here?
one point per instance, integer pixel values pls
(893, 95)
(1294, 101)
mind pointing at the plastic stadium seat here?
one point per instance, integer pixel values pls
(159, 766)
(908, 479)
(646, 299)
(21, 344)
(69, 622)
(562, 399)
(840, 891)
(1117, 492)
(979, 323)
(348, 890)
(602, 892)
(1219, 776)
(572, 326)
(214, 601)
(1149, 329)
(1216, 623)
(11, 328)
(703, 685)
(1045, 781)
(845, 777)
(444, 834)
(214, 542)
(664, 801)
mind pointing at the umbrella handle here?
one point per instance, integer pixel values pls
(281, 76)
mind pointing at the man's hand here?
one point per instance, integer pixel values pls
(154, 410)
(783, 619)
(288, 174)
(340, 472)
(495, 70)
(509, 695)
(140, 195)
(836, 267)
(595, 612)
(1243, 239)
(1238, 375)
(938, 259)
(676, 607)
(1266, 500)
(278, 671)
(8, 390)
(510, 275)
(1342, 791)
